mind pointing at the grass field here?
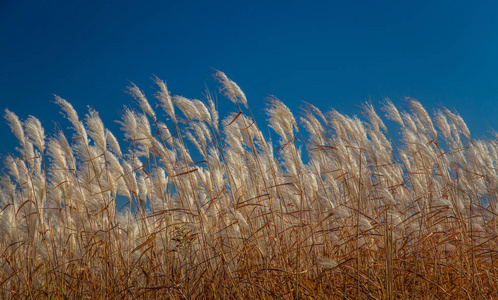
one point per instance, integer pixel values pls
(332, 208)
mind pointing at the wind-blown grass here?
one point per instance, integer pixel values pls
(334, 209)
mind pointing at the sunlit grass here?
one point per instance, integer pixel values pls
(332, 207)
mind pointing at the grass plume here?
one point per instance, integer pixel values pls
(333, 208)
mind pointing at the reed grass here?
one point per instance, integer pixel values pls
(331, 208)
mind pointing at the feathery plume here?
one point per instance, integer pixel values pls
(188, 108)
(281, 119)
(112, 142)
(35, 132)
(96, 128)
(214, 112)
(392, 112)
(139, 96)
(15, 125)
(424, 117)
(71, 114)
(230, 89)
(164, 98)
(129, 124)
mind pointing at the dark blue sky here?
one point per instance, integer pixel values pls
(334, 54)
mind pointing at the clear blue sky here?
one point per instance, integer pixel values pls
(330, 53)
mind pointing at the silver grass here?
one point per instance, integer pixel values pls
(188, 108)
(424, 117)
(442, 124)
(202, 136)
(71, 115)
(112, 143)
(12, 168)
(96, 129)
(35, 132)
(57, 154)
(15, 125)
(392, 112)
(230, 89)
(139, 96)
(203, 111)
(281, 119)
(164, 98)
(68, 150)
(374, 118)
(129, 124)
(194, 140)
(458, 122)
(144, 134)
(164, 131)
(214, 114)
(339, 190)
(386, 196)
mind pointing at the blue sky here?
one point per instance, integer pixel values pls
(334, 54)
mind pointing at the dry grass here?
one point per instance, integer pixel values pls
(334, 209)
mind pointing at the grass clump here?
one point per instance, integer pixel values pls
(216, 210)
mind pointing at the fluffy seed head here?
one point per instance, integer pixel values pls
(230, 89)
(392, 112)
(71, 114)
(164, 98)
(15, 125)
(281, 119)
(96, 128)
(136, 93)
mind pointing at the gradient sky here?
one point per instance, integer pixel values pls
(334, 54)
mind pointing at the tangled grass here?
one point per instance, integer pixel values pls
(334, 209)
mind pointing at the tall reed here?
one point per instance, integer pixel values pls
(331, 207)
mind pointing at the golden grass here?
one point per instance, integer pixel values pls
(335, 210)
